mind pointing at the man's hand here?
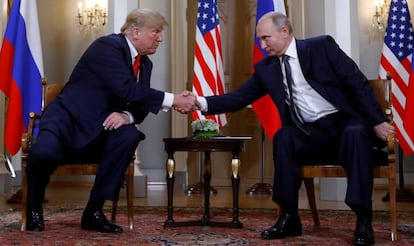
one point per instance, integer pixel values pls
(115, 120)
(185, 102)
(383, 129)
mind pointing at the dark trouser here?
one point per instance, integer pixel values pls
(349, 140)
(113, 151)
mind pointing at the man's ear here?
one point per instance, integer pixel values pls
(285, 30)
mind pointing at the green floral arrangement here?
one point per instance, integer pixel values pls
(204, 128)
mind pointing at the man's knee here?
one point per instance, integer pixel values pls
(42, 159)
(355, 132)
(131, 135)
(281, 135)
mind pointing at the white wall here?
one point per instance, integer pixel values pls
(157, 127)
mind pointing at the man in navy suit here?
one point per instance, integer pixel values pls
(334, 108)
(95, 115)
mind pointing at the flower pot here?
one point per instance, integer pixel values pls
(205, 134)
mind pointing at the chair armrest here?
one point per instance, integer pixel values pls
(28, 137)
(391, 149)
(391, 143)
(26, 143)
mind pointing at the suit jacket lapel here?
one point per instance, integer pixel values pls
(303, 56)
(145, 71)
(305, 61)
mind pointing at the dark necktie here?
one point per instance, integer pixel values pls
(292, 107)
(137, 63)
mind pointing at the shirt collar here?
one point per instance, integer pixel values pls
(291, 50)
(132, 50)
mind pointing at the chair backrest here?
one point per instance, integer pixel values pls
(382, 92)
(49, 93)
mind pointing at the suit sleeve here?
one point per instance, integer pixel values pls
(106, 58)
(247, 93)
(355, 87)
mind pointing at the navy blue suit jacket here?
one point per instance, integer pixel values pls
(102, 82)
(328, 70)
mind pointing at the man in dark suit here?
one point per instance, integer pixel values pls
(95, 115)
(324, 102)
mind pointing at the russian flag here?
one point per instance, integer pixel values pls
(264, 108)
(21, 70)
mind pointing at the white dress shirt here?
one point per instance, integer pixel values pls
(310, 104)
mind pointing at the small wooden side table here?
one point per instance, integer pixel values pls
(233, 144)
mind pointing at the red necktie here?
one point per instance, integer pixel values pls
(137, 63)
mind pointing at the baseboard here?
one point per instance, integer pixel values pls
(140, 183)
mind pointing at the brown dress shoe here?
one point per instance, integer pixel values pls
(286, 226)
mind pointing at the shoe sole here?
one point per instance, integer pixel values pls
(87, 228)
(281, 237)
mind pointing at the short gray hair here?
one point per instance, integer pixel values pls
(278, 20)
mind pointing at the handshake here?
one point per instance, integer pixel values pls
(186, 102)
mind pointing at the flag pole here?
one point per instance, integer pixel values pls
(198, 188)
(261, 188)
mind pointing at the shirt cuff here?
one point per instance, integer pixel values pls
(131, 118)
(203, 104)
(167, 103)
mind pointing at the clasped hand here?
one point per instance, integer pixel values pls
(185, 102)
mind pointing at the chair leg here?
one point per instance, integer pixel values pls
(130, 195)
(114, 209)
(393, 206)
(129, 180)
(310, 192)
(24, 198)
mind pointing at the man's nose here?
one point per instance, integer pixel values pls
(263, 44)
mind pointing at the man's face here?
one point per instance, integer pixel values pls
(147, 40)
(273, 41)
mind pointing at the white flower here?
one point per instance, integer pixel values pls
(204, 125)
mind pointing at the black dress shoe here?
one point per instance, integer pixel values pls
(286, 226)
(97, 221)
(364, 234)
(35, 220)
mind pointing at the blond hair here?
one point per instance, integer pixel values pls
(140, 18)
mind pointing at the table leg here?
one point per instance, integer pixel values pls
(235, 178)
(170, 189)
(207, 183)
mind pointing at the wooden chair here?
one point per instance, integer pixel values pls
(387, 171)
(49, 92)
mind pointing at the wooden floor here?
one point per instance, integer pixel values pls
(77, 195)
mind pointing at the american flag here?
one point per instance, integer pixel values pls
(208, 61)
(396, 59)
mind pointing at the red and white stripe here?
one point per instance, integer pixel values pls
(208, 76)
(399, 86)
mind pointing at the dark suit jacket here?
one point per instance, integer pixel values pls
(102, 82)
(327, 69)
